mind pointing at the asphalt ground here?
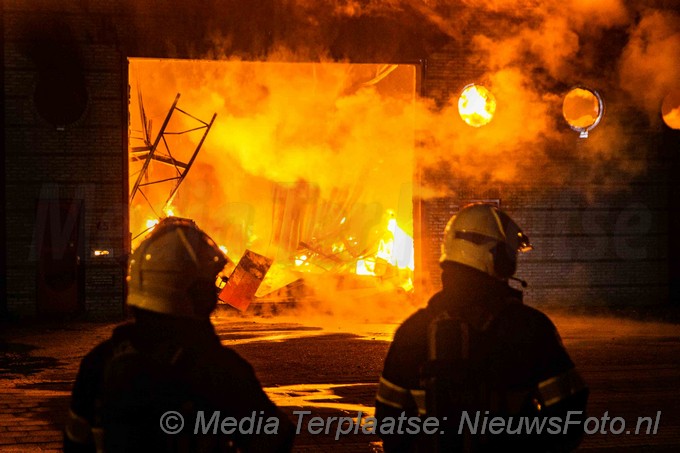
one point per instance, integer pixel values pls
(330, 367)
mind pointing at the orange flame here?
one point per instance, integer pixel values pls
(151, 224)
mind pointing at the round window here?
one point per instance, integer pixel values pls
(670, 109)
(582, 108)
(476, 105)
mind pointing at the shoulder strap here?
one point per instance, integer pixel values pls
(136, 386)
(457, 345)
(448, 338)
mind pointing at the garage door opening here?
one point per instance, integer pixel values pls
(308, 164)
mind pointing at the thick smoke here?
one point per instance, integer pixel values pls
(649, 68)
(344, 140)
(320, 131)
(531, 55)
(317, 153)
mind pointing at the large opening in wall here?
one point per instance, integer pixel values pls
(308, 164)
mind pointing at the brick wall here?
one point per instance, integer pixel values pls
(84, 161)
(611, 246)
(595, 244)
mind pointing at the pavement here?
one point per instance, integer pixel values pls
(330, 365)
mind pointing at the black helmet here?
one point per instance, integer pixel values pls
(173, 271)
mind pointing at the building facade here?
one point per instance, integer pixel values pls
(602, 228)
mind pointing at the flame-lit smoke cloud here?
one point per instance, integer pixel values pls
(277, 126)
(528, 52)
(325, 149)
(322, 135)
(650, 65)
(529, 56)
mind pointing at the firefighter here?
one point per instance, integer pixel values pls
(167, 365)
(476, 352)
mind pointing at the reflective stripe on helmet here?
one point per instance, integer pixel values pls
(187, 246)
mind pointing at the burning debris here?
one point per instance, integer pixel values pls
(172, 169)
(240, 288)
(307, 160)
(344, 223)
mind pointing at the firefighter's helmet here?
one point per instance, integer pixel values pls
(173, 271)
(485, 238)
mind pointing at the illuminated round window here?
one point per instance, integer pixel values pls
(476, 105)
(670, 109)
(582, 109)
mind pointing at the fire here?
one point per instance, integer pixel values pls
(151, 224)
(307, 188)
(394, 258)
(301, 260)
(476, 105)
(395, 249)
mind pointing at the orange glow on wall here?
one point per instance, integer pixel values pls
(476, 105)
